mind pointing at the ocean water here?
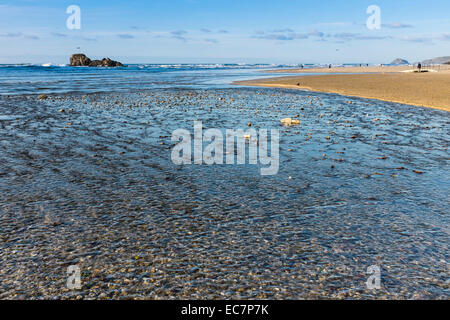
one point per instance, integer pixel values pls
(48, 78)
(86, 179)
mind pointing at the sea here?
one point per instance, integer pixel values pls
(54, 78)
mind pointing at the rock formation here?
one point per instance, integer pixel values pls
(399, 61)
(80, 60)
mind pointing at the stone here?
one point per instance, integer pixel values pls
(80, 60)
(289, 122)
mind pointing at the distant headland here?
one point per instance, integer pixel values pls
(80, 60)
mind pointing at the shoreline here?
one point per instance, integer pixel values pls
(429, 90)
(364, 70)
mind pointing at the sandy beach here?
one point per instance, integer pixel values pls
(431, 89)
(369, 69)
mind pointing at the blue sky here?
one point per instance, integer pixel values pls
(244, 31)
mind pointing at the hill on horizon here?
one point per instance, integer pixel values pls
(399, 61)
(438, 60)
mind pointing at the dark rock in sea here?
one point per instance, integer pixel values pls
(106, 62)
(80, 60)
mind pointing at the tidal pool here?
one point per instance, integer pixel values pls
(88, 180)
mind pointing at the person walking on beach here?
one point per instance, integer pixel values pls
(419, 66)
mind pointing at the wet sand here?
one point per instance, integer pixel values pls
(430, 89)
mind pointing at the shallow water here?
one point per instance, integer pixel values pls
(361, 183)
